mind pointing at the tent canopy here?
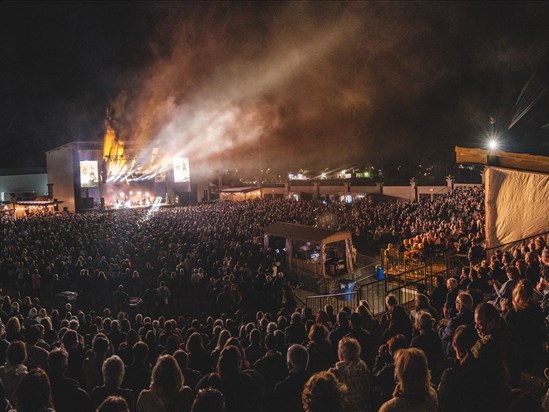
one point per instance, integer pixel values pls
(306, 233)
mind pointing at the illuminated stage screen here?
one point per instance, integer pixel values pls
(89, 173)
(181, 170)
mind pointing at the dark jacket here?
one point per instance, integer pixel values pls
(447, 332)
(68, 396)
(287, 393)
(470, 387)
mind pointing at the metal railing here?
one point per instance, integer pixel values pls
(374, 293)
(404, 285)
(337, 300)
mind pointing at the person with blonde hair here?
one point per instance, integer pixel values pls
(113, 376)
(167, 392)
(413, 391)
(324, 393)
(353, 373)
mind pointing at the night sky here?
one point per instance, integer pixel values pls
(275, 84)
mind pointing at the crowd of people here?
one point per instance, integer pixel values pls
(184, 309)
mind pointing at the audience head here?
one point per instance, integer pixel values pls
(412, 374)
(324, 393)
(348, 350)
(229, 363)
(318, 333)
(114, 404)
(424, 321)
(523, 294)
(464, 302)
(451, 284)
(297, 358)
(34, 392)
(113, 372)
(390, 302)
(396, 343)
(167, 377)
(16, 353)
(58, 361)
(209, 400)
(487, 319)
(465, 337)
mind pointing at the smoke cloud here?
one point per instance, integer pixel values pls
(252, 85)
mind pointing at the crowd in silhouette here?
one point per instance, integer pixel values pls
(184, 309)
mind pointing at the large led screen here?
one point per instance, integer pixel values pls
(89, 176)
(181, 170)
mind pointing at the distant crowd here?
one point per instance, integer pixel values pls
(184, 309)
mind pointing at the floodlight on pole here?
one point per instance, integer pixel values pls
(493, 144)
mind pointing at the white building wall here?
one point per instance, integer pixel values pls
(400, 192)
(60, 165)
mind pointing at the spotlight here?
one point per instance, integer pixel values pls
(493, 144)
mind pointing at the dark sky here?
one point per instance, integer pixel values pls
(275, 84)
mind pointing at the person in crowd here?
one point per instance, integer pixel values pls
(526, 323)
(496, 349)
(370, 324)
(323, 392)
(272, 366)
(254, 350)
(384, 367)
(341, 329)
(464, 316)
(199, 358)
(320, 351)
(113, 376)
(422, 304)
(295, 332)
(438, 294)
(504, 292)
(92, 365)
(450, 303)
(428, 339)
(396, 321)
(114, 404)
(363, 337)
(66, 393)
(34, 393)
(353, 372)
(413, 391)
(121, 299)
(532, 268)
(13, 372)
(37, 357)
(209, 400)
(138, 374)
(191, 377)
(469, 385)
(237, 387)
(287, 393)
(167, 392)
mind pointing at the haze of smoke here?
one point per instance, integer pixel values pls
(304, 84)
